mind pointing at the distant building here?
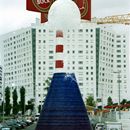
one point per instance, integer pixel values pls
(92, 52)
(113, 57)
(19, 60)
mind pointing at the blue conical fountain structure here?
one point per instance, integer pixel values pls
(63, 108)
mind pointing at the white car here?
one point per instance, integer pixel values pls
(100, 126)
(37, 117)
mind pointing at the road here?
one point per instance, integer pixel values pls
(32, 127)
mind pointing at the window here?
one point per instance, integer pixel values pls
(80, 30)
(80, 62)
(50, 57)
(39, 41)
(51, 52)
(118, 50)
(80, 52)
(39, 30)
(119, 66)
(118, 56)
(80, 84)
(118, 46)
(73, 68)
(80, 68)
(118, 61)
(118, 36)
(118, 41)
(50, 68)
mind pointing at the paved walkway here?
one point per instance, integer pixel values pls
(31, 127)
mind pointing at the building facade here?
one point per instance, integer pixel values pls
(113, 65)
(79, 57)
(18, 61)
(92, 52)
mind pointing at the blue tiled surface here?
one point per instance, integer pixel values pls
(63, 108)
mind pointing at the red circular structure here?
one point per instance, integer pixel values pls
(43, 5)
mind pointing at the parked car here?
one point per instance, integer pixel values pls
(23, 124)
(5, 129)
(28, 123)
(12, 125)
(4, 126)
(100, 126)
(17, 125)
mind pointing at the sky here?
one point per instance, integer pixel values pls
(13, 13)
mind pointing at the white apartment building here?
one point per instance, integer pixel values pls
(79, 53)
(18, 61)
(92, 52)
(113, 65)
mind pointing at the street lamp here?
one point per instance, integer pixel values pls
(101, 92)
(119, 81)
(0, 99)
(34, 96)
(3, 93)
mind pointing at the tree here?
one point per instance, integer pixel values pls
(47, 85)
(15, 103)
(1, 108)
(7, 101)
(109, 101)
(22, 99)
(46, 88)
(124, 101)
(90, 101)
(128, 102)
(39, 108)
(30, 105)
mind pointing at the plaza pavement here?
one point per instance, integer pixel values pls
(32, 127)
